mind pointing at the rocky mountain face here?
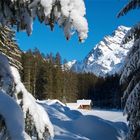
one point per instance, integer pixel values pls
(9, 47)
(107, 57)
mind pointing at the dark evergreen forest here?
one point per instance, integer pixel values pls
(45, 78)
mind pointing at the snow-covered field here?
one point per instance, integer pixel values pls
(85, 124)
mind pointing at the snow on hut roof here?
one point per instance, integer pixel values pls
(84, 102)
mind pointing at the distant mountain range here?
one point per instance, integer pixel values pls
(106, 58)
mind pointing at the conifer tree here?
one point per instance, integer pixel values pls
(41, 82)
(49, 73)
(21, 14)
(9, 47)
(68, 14)
(131, 76)
(27, 69)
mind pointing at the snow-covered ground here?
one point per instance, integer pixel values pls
(85, 124)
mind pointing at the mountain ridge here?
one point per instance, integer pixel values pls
(107, 57)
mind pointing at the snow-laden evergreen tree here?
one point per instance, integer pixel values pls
(9, 109)
(9, 47)
(35, 125)
(20, 14)
(69, 14)
(131, 76)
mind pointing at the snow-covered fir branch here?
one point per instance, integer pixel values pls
(69, 14)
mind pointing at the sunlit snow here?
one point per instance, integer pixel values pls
(85, 124)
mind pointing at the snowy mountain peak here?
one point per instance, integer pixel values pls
(107, 57)
(123, 28)
(69, 64)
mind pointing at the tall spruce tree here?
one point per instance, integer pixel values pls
(49, 73)
(27, 69)
(41, 82)
(131, 76)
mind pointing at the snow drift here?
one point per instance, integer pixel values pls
(39, 116)
(83, 124)
(17, 119)
(13, 116)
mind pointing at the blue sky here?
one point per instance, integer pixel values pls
(102, 20)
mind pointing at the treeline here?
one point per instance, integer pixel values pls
(45, 78)
(104, 92)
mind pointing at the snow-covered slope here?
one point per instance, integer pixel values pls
(68, 65)
(85, 124)
(18, 106)
(39, 117)
(107, 57)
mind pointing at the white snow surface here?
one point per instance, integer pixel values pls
(73, 105)
(40, 116)
(107, 57)
(68, 65)
(84, 102)
(13, 116)
(4, 71)
(9, 109)
(78, 103)
(85, 124)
